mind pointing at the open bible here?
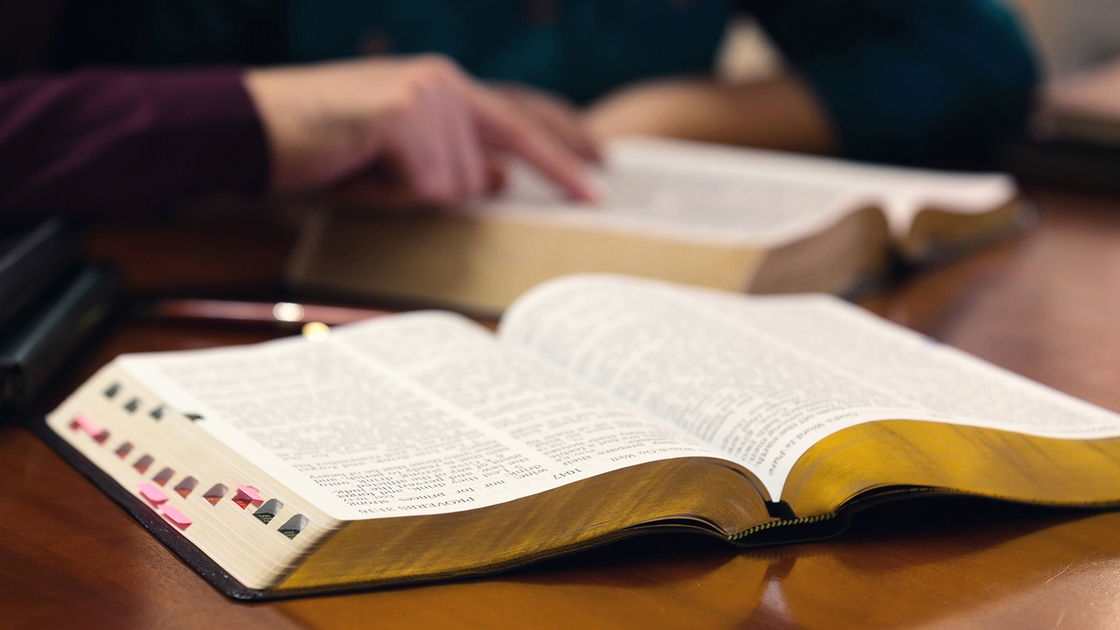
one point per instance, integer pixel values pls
(722, 217)
(421, 446)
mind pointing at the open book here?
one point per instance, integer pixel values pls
(420, 446)
(716, 216)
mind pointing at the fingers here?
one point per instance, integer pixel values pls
(433, 150)
(505, 128)
(495, 172)
(439, 147)
(560, 119)
(465, 146)
(434, 172)
(432, 155)
(380, 188)
(421, 131)
(571, 132)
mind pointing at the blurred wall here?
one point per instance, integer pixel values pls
(1072, 35)
(1069, 35)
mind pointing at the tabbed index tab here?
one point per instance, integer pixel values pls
(163, 476)
(182, 521)
(82, 421)
(294, 526)
(144, 463)
(247, 495)
(152, 493)
(186, 486)
(215, 493)
(85, 424)
(269, 510)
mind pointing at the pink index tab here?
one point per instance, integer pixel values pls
(249, 492)
(182, 521)
(152, 493)
(246, 495)
(83, 421)
(98, 434)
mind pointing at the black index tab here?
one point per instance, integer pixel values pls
(269, 510)
(294, 526)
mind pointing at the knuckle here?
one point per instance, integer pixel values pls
(407, 100)
(476, 181)
(438, 66)
(435, 187)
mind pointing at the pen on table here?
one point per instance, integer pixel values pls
(274, 314)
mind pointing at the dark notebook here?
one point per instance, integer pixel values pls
(36, 343)
(32, 260)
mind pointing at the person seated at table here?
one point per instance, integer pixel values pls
(913, 82)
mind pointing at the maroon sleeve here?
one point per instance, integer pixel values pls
(127, 141)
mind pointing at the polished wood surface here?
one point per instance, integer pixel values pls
(1046, 305)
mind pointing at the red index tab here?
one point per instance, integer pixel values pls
(246, 495)
(175, 516)
(152, 493)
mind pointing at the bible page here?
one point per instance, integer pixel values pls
(413, 414)
(739, 196)
(763, 378)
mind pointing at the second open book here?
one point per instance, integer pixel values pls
(729, 218)
(420, 446)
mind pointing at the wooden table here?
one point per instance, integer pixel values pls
(1047, 306)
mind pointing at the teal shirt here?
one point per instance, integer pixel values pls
(915, 81)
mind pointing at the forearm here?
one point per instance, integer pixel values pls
(778, 113)
(115, 141)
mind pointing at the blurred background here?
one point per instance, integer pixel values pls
(1069, 36)
(1072, 35)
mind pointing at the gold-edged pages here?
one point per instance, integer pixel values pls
(426, 415)
(727, 218)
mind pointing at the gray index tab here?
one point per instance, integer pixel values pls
(269, 510)
(294, 526)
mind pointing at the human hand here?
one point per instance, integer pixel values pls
(405, 132)
(558, 116)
